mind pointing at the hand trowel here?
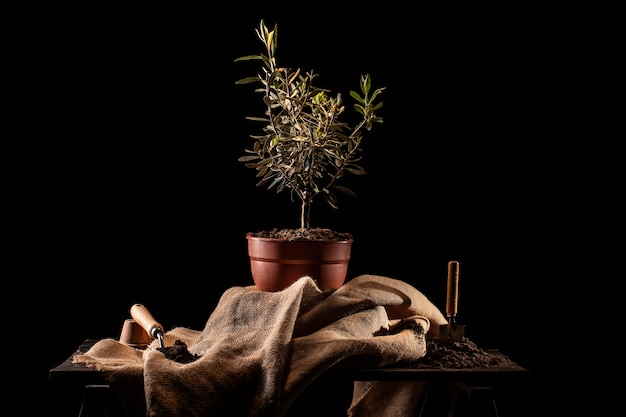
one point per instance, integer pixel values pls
(142, 315)
(452, 330)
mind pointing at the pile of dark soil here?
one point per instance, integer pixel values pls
(178, 352)
(459, 354)
(451, 353)
(303, 234)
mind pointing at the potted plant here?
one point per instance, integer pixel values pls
(304, 148)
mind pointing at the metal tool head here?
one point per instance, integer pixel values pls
(451, 331)
(158, 335)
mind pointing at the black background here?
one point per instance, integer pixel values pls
(127, 189)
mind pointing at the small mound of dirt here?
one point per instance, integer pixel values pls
(178, 352)
(458, 354)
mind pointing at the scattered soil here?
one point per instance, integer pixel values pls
(451, 353)
(458, 354)
(316, 233)
(178, 352)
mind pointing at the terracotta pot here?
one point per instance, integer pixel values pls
(276, 263)
(134, 335)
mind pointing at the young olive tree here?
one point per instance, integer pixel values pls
(303, 146)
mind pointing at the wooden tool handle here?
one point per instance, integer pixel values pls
(452, 298)
(143, 316)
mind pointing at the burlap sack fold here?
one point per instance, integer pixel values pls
(260, 350)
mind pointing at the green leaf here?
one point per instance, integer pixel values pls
(248, 158)
(345, 190)
(357, 97)
(248, 80)
(248, 58)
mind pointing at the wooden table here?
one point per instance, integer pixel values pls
(479, 383)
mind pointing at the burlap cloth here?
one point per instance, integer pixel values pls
(260, 350)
